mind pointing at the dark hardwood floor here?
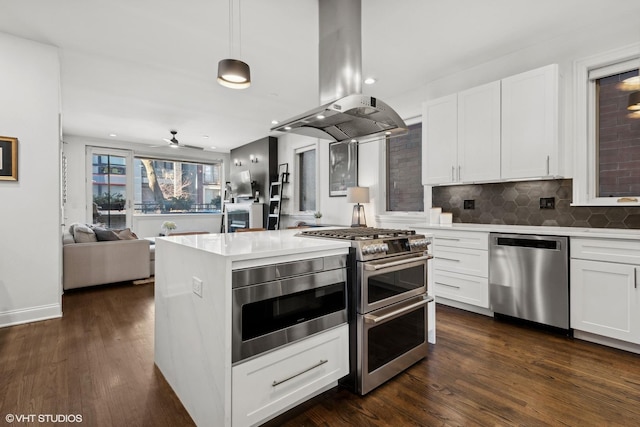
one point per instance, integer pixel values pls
(97, 361)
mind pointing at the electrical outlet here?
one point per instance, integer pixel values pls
(547, 202)
(469, 204)
(197, 286)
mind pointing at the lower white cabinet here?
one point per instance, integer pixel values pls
(605, 293)
(268, 385)
(605, 299)
(461, 267)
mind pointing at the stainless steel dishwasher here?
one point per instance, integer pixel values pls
(529, 277)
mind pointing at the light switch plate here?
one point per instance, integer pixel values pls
(197, 286)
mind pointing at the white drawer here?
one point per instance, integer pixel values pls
(464, 261)
(463, 288)
(612, 250)
(301, 368)
(461, 239)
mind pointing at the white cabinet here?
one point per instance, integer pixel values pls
(502, 130)
(440, 141)
(530, 143)
(605, 298)
(479, 133)
(270, 384)
(461, 136)
(461, 266)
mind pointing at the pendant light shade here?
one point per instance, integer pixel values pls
(634, 101)
(234, 74)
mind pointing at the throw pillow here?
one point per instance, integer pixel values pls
(84, 234)
(126, 234)
(104, 235)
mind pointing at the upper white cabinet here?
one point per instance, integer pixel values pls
(503, 130)
(530, 124)
(461, 136)
(440, 140)
(479, 133)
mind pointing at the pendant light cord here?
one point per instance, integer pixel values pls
(231, 28)
(231, 25)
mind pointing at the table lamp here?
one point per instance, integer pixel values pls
(358, 195)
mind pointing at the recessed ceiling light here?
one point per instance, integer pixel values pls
(112, 135)
(319, 117)
(369, 81)
(213, 148)
(274, 122)
(205, 136)
(287, 128)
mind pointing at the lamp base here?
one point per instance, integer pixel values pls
(357, 218)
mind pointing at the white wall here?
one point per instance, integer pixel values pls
(74, 148)
(30, 247)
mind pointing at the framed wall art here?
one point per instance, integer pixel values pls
(8, 158)
(343, 168)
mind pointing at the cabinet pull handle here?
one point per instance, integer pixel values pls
(448, 238)
(635, 278)
(277, 383)
(447, 259)
(459, 173)
(453, 171)
(547, 165)
(447, 285)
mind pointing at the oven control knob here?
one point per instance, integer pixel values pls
(385, 247)
(367, 250)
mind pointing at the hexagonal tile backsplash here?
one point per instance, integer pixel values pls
(519, 203)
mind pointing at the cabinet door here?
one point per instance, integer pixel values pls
(605, 299)
(530, 124)
(439, 140)
(479, 133)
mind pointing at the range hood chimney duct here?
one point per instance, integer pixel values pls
(345, 114)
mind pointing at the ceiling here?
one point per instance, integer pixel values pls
(138, 68)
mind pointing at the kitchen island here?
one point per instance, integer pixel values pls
(193, 324)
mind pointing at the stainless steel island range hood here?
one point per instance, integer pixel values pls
(345, 114)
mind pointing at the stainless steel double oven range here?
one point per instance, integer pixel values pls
(387, 302)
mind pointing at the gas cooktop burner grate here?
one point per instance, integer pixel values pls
(364, 233)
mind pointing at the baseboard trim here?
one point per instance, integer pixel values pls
(31, 314)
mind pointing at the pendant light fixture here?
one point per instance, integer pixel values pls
(234, 73)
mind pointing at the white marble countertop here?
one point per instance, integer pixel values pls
(257, 244)
(601, 233)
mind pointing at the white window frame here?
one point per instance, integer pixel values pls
(296, 190)
(585, 168)
(382, 203)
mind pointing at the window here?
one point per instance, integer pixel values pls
(163, 186)
(306, 162)
(617, 131)
(404, 177)
(605, 132)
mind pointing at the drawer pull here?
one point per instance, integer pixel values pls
(448, 259)
(277, 383)
(448, 285)
(635, 278)
(448, 238)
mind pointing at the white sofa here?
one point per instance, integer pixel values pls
(98, 263)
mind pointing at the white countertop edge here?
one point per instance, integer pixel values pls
(601, 233)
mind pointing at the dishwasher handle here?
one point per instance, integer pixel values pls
(532, 242)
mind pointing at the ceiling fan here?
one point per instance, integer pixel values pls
(174, 143)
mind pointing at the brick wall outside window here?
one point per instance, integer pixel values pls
(404, 176)
(618, 139)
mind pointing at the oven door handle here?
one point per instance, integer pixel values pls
(372, 318)
(375, 267)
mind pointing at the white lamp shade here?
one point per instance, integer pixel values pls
(358, 195)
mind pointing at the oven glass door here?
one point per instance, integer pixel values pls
(389, 281)
(393, 338)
